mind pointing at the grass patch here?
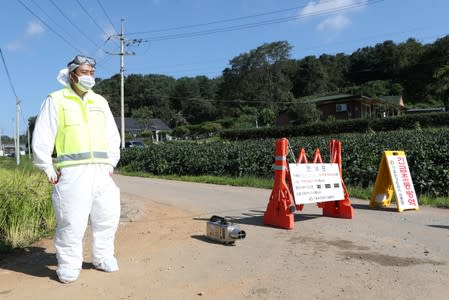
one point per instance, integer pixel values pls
(222, 180)
(26, 212)
(9, 163)
(359, 192)
(440, 202)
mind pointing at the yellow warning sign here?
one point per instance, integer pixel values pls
(394, 177)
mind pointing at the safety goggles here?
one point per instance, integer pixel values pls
(81, 59)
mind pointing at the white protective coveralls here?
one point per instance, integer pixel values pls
(82, 190)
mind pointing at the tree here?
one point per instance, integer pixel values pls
(211, 127)
(259, 75)
(110, 89)
(303, 112)
(197, 111)
(310, 77)
(143, 116)
(185, 88)
(442, 84)
(336, 69)
(375, 88)
(266, 117)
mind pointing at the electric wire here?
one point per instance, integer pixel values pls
(227, 20)
(260, 23)
(49, 27)
(12, 86)
(49, 17)
(8, 75)
(90, 16)
(74, 25)
(107, 16)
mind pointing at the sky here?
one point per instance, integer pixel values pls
(186, 37)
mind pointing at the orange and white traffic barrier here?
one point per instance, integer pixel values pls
(339, 208)
(290, 181)
(279, 212)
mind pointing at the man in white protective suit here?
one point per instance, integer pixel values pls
(78, 123)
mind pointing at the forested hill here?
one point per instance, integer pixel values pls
(266, 80)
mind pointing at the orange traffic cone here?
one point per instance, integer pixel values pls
(340, 208)
(280, 208)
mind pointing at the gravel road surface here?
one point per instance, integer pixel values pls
(163, 252)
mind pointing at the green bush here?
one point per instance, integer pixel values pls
(342, 126)
(427, 153)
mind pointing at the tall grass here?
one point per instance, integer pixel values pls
(26, 212)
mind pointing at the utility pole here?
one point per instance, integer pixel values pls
(17, 131)
(1, 145)
(122, 84)
(122, 54)
(29, 141)
(16, 135)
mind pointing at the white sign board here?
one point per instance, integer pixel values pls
(402, 182)
(316, 183)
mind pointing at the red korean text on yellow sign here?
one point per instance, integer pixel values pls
(394, 177)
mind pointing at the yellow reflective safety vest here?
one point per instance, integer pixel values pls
(81, 137)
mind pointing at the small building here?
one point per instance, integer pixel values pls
(10, 149)
(159, 129)
(347, 106)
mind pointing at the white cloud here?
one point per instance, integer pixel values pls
(328, 6)
(335, 23)
(109, 31)
(34, 28)
(14, 45)
(339, 10)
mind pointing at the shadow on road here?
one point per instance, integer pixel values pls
(255, 217)
(33, 261)
(439, 226)
(366, 206)
(205, 239)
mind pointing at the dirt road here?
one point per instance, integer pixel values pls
(163, 253)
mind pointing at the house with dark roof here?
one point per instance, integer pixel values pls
(347, 106)
(159, 129)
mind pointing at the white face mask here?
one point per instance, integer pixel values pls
(85, 83)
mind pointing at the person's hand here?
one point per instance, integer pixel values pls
(52, 175)
(110, 170)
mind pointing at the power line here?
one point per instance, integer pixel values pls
(260, 23)
(48, 16)
(107, 16)
(74, 25)
(89, 15)
(7, 74)
(225, 20)
(49, 27)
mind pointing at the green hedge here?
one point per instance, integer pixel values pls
(427, 153)
(346, 126)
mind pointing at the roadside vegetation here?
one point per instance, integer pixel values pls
(26, 212)
(426, 149)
